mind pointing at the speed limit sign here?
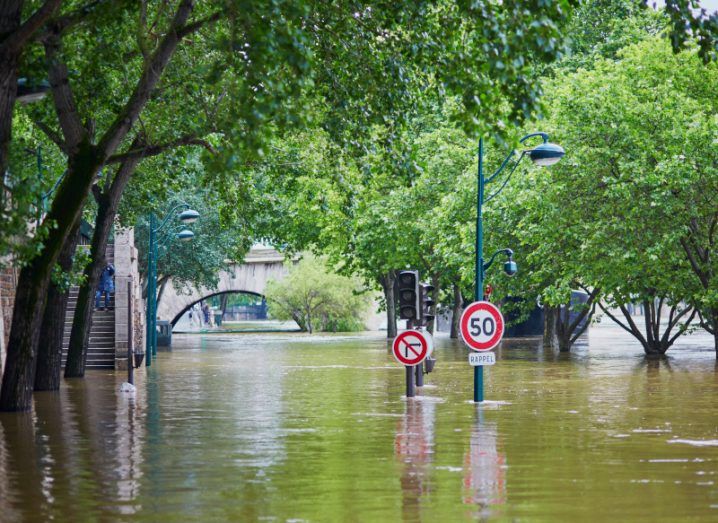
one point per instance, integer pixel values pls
(482, 325)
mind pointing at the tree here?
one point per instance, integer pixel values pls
(317, 298)
(639, 181)
(15, 36)
(280, 45)
(85, 157)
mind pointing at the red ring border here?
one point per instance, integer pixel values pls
(424, 347)
(493, 341)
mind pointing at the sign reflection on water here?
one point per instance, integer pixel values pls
(414, 446)
(484, 468)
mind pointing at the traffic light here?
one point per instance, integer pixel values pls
(426, 302)
(408, 290)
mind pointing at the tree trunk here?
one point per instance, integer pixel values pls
(456, 312)
(655, 343)
(30, 298)
(563, 328)
(82, 322)
(49, 349)
(9, 22)
(387, 282)
(14, 36)
(163, 284)
(107, 204)
(550, 317)
(223, 303)
(436, 282)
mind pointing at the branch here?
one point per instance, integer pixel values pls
(147, 82)
(122, 175)
(694, 264)
(586, 309)
(682, 329)
(585, 325)
(70, 123)
(17, 40)
(96, 192)
(53, 135)
(63, 23)
(196, 26)
(634, 328)
(154, 150)
(633, 331)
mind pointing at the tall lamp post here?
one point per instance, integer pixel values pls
(186, 217)
(544, 154)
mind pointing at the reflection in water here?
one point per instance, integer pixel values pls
(69, 450)
(484, 468)
(414, 446)
(128, 460)
(313, 428)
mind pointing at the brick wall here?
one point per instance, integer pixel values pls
(8, 282)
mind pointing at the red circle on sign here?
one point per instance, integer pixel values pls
(487, 327)
(410, 348)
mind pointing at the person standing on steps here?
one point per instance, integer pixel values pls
(107, 286)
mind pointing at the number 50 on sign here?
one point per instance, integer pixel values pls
(482, 325)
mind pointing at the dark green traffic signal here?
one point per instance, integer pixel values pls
(408, 290)
(426, 301)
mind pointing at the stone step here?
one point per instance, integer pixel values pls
(94, 356)
(94, 339)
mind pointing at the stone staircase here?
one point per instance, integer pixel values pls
(101, 351)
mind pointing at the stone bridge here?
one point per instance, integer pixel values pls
(260, 265)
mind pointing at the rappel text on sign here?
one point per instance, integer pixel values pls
(482, 358)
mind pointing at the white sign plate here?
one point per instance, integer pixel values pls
(482, 326)
(482, 358)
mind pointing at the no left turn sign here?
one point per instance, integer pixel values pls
(482, 326)
(411, 347)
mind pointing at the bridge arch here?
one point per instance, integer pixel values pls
(174, 320)
(260, 265)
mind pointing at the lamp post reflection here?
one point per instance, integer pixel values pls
(414, 446)
(484, 468)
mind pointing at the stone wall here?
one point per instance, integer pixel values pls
(127, 272)
(8, 283)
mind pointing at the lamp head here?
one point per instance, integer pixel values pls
(185, 235)
(546, 154)
(189, 216)
(510, 268)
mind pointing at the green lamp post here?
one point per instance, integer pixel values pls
(544, 154)
(187, 216)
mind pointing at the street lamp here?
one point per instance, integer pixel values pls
(185, 235)
(544, 154)
(187, 216)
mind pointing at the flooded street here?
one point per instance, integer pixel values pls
(289, 427)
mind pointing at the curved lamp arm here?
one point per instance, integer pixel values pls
(170, 213)
(543, 136)
(163, 243)
(508, 252)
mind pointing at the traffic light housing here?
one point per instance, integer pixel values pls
(426, 302)
(408, 291)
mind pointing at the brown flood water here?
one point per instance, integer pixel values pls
(286, 427)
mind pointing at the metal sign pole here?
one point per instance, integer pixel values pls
(410, 391)
(479, 292)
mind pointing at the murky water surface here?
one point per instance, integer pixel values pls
(284, 427)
